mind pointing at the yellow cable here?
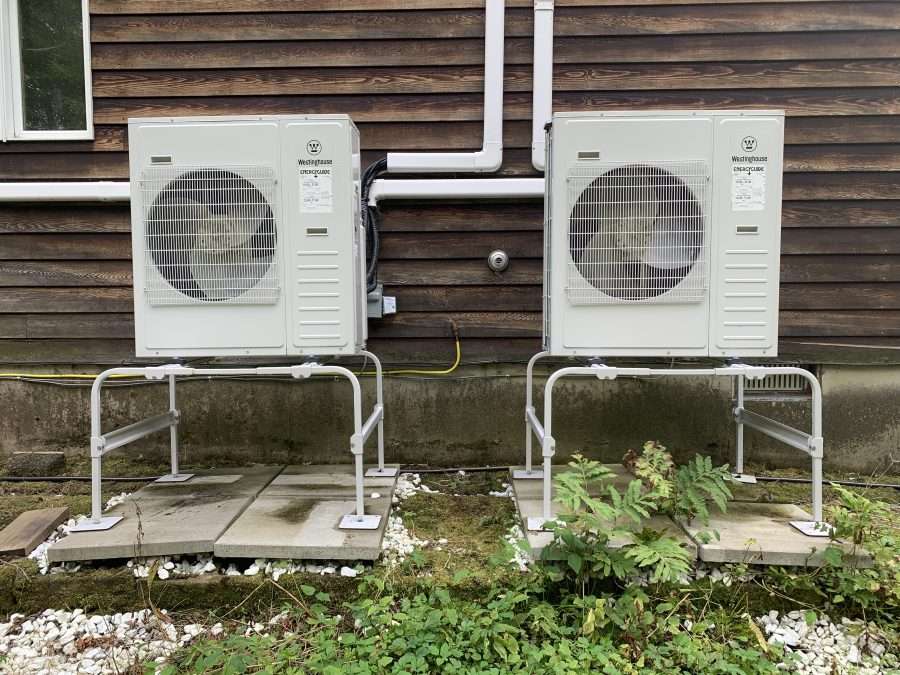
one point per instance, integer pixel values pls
(431, 372)
(86, 376)
(60, 376)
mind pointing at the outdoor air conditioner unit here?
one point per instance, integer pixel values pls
(247, 237)
(662, 233)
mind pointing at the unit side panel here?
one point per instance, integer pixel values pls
(745, 279)
(318, 203)
(205, 315)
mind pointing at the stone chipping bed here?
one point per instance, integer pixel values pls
(63, 641)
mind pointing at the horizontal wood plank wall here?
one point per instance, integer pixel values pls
(410, 73)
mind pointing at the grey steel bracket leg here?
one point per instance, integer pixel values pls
(358, 520)
(381, 470)
(529, 472)
(738, 476)
(174, 475)
(97, 521)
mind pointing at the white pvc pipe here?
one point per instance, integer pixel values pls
(460, 188)
(99, 191)
(542, 86)
(490, 157)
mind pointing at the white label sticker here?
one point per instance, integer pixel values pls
(748, 187)
(316, 195)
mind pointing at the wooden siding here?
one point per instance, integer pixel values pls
(410, 73)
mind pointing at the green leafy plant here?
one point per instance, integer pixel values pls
(861, 573)
(683, 491)
(519, 628)
(868, 573)
(601, 532)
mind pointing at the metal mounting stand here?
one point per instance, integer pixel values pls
(102, 443)
(811, 444)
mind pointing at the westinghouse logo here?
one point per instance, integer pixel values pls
(314, 147)
(748, 144)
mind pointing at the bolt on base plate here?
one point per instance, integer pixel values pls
(386, 472)
(174, 478)
(89, 525)
(746, 478)
(355, 522)
(525, 474)
(812, 528)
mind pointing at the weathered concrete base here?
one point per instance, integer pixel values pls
(529, 502)
(431, 420)
(298, 514)
(761, 534)
(170, 518)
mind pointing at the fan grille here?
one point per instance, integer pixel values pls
(210, 235)
(637, 233)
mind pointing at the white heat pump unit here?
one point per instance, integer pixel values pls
(662, 233)
(247, 237)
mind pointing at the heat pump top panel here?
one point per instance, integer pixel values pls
(246, 236)
(663, 233)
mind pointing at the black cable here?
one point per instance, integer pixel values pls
(410, 468)
(844, 483)
(82, 479)
(370, 222)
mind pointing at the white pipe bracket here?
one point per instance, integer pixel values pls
(163, 372)
(303, 371)
(97, 445)
(604, 372)
(548, 447)
(817, 447)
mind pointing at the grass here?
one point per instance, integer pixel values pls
(473, 524)
(466, 483)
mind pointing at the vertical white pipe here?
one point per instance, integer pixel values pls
(490, 157)
(542, 87)
(739, 459)
(173, 428)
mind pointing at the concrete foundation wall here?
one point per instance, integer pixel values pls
(474, 417)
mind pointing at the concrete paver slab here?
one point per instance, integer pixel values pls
(303, 527)
(298, 514)
(529, 501)
(170, 518)
(761, 534)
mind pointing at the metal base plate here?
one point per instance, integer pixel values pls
(89, 525)
(355, 522)
(744, 478)
(538, 524)
(174, 478)
(812, 528)
(524, 474)
(386, 472)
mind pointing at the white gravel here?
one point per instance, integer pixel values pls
(60, 641)
(39, 555)
(521, 556)
(398, 542)
(827, 648)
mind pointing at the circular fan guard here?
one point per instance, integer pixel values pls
(635, 232)
(211, 234)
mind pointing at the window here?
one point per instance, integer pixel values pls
(45, 85)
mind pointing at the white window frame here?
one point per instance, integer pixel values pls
(12, 118)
